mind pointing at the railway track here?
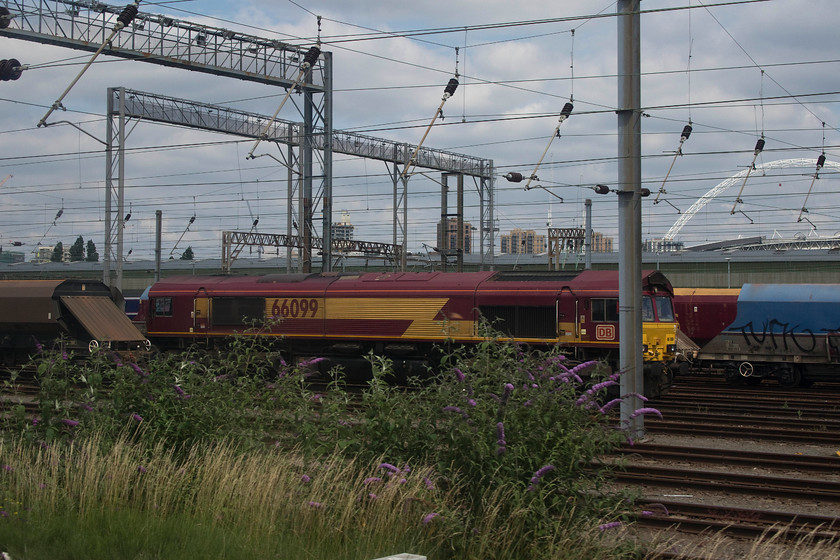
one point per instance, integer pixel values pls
(744, 463)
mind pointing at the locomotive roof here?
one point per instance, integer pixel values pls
(587, 280)
(782, 308)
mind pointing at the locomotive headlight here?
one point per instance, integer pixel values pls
(645, 348)
(671, 348)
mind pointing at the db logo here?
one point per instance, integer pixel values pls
(604, 332)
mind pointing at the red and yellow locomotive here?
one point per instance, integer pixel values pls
(405, 315)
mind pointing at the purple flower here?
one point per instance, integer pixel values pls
(316, 505)
(179, 390)
(371, 480)
(471, 402)
(538, 476)
(141, 469)
(87, 407)
(609, 405)
(611, 525)
(136, 417)
(305, 478)
(428, 518)
(38, 345)
(8, 468)
(428, 482)
(138, 369)
(508, 389)
(648, 410)
(456, 410)
(602, 385)
(500, 441)
(35, 421)
(71, 423)
(311, 362)
(459, 375)
(64, 355)
(389, 466)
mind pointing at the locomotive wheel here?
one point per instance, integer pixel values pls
(789, 376)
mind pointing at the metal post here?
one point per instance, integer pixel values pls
(326, 199)
(630, 215)
(587, 240)
(443, 242)
(459, 223)
(158, 229)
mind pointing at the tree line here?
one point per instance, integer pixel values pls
(79, 253)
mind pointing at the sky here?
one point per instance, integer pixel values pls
(737, 72)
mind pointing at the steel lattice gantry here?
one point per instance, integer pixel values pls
(159, 39)
(132, 104)
(170, 42)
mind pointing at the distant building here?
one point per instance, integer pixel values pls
(11, 257)
(523, 242)
(343, 230)
(44, 254)
(662, 246)
(448, 240)
(601, 243)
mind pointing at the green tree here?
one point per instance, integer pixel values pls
(77, 251)
(187, 255)
(92, 255)
(58, 252)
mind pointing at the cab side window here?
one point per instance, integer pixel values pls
(605, 310)
(163, 307)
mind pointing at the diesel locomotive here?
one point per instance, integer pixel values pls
(407, 315)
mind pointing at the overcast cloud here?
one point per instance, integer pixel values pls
(514, 81)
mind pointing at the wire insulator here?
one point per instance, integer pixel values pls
(820, 161)
(759, 146)
(192, 219)
(567, 110)
(311, 57)
(514, 177)
(5, 17)
(601, 189)
(128, 14)
(10, 69)
(450, 87)
(645, 191)
(686, 132)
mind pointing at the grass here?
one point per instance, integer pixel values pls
(101, 499)
(232, 456)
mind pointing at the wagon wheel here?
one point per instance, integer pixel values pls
(789, 376)
(93, 346)
(746, 369)
(147, 344)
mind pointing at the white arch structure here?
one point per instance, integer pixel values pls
(735, 179)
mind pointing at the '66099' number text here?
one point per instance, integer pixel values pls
(295, 308)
